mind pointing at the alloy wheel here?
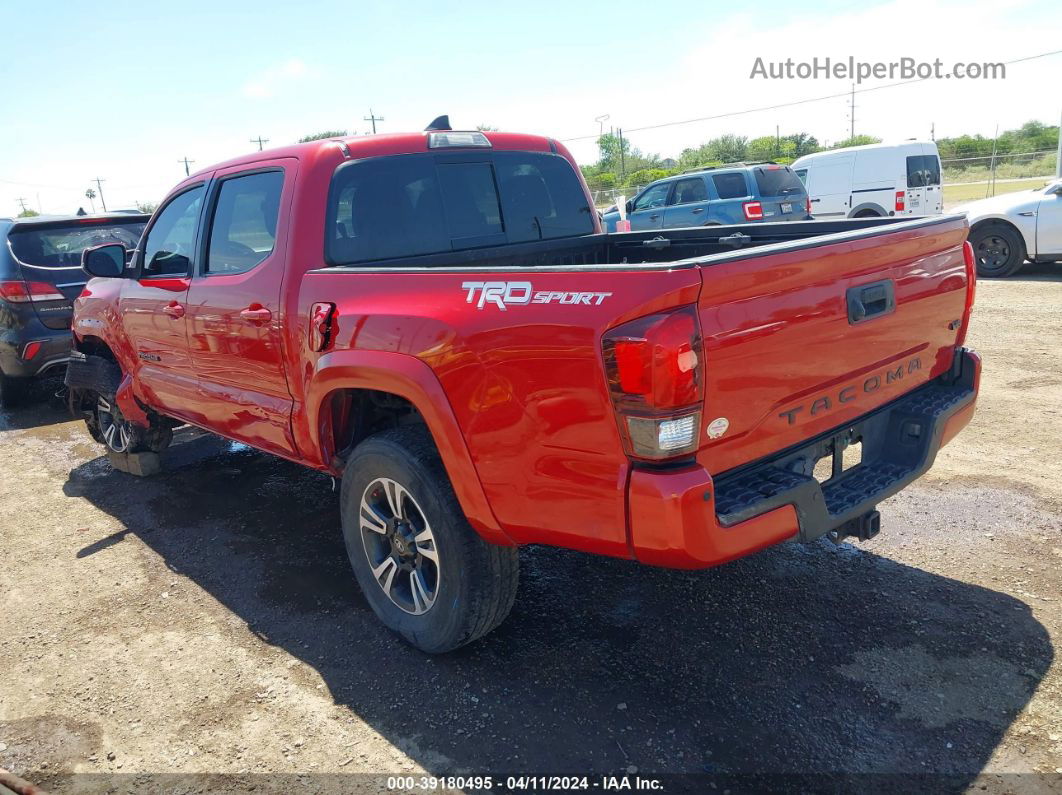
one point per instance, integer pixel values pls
(399, 545)
(113, 427)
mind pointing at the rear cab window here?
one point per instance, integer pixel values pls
(774, 181)
(408, 205)
(60, 245)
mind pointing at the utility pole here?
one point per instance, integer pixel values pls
(623, 155)
(99, 189)
(1058, 163)
(777, 141)
(992, 182)
(601, 124)
(22, 203)
(260, 141)
(373, 118)
(851, 113)
(184, 160)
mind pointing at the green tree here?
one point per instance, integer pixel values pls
(28, 213)
(146, 207)
(323, 135)
(486, 128)
(766, 147)
(728, 148)
(856, 140)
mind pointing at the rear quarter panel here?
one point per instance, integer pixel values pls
(526, 384)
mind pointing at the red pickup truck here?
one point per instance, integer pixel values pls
(438, 319)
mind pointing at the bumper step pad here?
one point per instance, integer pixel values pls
(899, 439)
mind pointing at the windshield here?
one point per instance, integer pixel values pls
(61, 246)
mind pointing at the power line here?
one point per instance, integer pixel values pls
(794, 103)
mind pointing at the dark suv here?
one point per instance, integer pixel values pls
(735, 193)
(40, 276)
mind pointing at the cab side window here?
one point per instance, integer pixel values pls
(169, 243)
(244, 227)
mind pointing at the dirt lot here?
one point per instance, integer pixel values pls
(205, 621)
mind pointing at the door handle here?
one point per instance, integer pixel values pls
(815, 201)
(696, 210)
(653, 217)
(256, 314)
(174, 310)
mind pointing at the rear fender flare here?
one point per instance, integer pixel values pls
(412, 379)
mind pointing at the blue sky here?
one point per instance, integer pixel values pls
(123, 90)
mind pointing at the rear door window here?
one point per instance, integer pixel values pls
(730, 186)
(409, 205)
(61, 246)
(778, 181)
(244, 227)
(923, 170)
(690, 190)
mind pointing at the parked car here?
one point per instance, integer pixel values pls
(40, 274)
(1006, 230)
(733, 194)
(873, 181)
(437, 319)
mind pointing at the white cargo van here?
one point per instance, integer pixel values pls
(874, 180)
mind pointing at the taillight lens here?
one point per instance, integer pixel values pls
(19, 292)
(753, 211)
(807, 205)
(900, 201)
(971, 289)
(656, 381)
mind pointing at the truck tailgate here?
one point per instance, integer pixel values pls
(802, 338)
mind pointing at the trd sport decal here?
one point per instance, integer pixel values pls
(506, 294)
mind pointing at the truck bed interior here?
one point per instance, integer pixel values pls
(664, 247)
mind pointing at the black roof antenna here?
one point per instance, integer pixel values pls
(441, 123)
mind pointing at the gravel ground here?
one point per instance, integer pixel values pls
(205, 621)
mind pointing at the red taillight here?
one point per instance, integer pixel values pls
(31, 350)
(753, 211)
(900, 199)
(971, 289)
(322, 325)
(656, 380)
(19, 292)
(807, 205)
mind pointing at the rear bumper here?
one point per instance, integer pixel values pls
(686, 519)
(52, 353)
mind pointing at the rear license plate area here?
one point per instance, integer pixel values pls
(787, 207)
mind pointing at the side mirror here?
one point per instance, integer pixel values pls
(1056, 189)
(107, 260)
(630, 207)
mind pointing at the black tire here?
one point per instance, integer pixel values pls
(475, 581)
(998, 250)
(13, 391)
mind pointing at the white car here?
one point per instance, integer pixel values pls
(1009, 229)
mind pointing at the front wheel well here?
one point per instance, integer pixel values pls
(351, 415)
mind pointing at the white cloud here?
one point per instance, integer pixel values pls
(277, 78)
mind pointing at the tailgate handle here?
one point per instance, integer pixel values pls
(870, 300)
(737, 240)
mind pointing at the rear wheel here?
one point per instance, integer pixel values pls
(12, 391)
(998, 250)
(423, 569)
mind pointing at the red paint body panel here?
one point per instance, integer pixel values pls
(517, 399)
